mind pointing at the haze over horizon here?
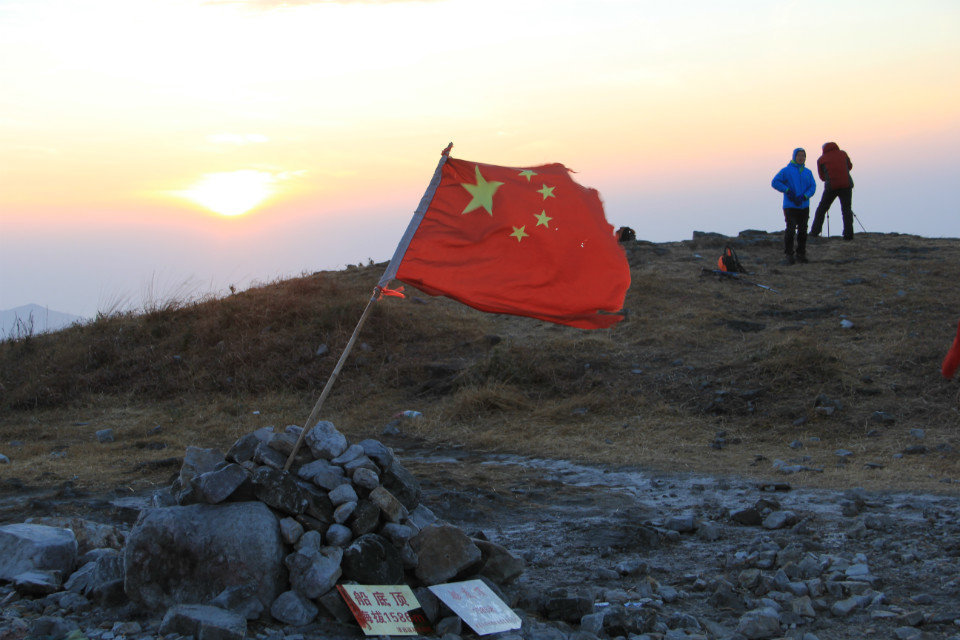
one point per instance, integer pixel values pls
(155, 149)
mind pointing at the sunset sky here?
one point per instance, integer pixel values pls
(166, 148)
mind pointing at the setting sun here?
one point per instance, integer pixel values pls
(231, 193)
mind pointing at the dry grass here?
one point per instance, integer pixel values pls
(699, 355)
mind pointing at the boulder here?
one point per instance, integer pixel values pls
(314, 572)
(196, 461)
(444, 551)
(36, 547)
(190, 554)
(293, 609)
(325, 441)
(90, 535)
(203, 622)
(371, 559)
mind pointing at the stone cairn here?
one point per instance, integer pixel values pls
(236, 538)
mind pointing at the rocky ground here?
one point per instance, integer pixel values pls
(616, 552)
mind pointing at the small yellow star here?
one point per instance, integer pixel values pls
(526, 173)
(482, 193)
(519, 233)
(543, 219)
(546, 192)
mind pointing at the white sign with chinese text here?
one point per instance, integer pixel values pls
(478, 606)
(385, 610)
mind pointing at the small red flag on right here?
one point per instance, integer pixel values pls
(952, 360)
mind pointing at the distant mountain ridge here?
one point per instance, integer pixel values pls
(32, 318)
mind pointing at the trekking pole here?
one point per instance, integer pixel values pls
(828, 224)
(855, 217)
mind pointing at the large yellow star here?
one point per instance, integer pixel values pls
(526, 173)
(543, 219)
(519, 233)
(546, 192)
(482, 193)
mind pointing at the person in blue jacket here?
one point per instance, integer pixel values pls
(796, 184)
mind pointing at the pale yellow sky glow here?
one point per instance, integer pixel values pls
(126, 126)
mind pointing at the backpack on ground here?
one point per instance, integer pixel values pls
(729, 262)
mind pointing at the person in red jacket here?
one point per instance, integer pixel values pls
(834, 169)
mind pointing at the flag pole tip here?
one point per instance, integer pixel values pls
(446, 152)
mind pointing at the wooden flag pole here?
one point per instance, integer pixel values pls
(333, 376)
(379, 290)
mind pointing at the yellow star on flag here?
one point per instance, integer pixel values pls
(526, 173)
(482, 193)
(546, 192)
(543, 219)
(519, 233)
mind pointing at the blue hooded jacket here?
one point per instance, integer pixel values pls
(795, 179)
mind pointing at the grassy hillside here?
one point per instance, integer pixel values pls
(707, 374)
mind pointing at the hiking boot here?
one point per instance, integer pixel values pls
(789, 260)
(802, 259)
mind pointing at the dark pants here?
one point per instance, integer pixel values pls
(846, 197)
(796, 227)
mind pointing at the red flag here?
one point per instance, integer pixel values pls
(952, 360)
(523, 241)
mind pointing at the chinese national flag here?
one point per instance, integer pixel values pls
(522, 241)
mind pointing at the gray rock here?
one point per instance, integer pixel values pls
(4, 459)
(37, 583)
(96, 576)
(443, 551)
(241, 600)
(323, 474)
(313, 572)
(391, 507)
(342, 513)
(749, 516)
(421, 516)
(843, 608)
(339, 535)
(371, 559)
(343, 493)
(686, 523)
(90, 535)
(366, 518)
(216, 486)
(105, 435)
(353, 452)
(267, 456)
(398, 534)
(190, 554)
(396, 479)
(51, 627)
(196, 461)
(378, 452)
(291, 530)
(497, 563)
(325, 441)
(310, 540)
(363, 462)
(366, 478)
(35, 547)
(243, 449)
(283, 443)
(279, 490)
(449, 625)
(332, 602)
(760, 623)
(780, 519)
(203, 622)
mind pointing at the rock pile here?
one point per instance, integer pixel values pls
(237, 538)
